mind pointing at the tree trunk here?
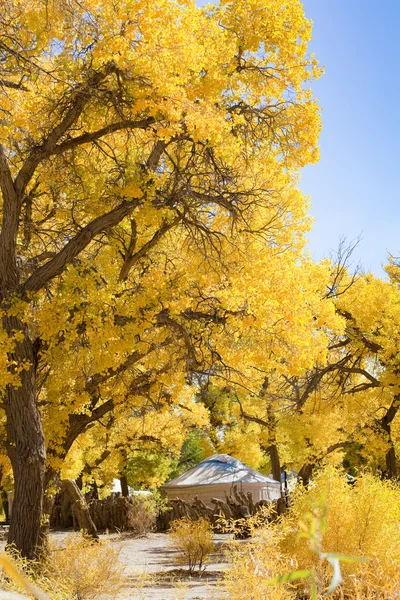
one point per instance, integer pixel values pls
(4, 501)
(95, 491)
(124, 486)
(304, 475)
(386, 424)
(81, 508)
(26, 445)
(275, 462)
(51, 477)
(391, 466)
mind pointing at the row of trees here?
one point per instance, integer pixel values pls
(345, 408)
(153, 277)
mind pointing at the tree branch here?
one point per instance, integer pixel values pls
(131, 259)
(375, 382)
(79, 99)
(79, 242)
(9, 228)
(86, 138)
(391, 412)
(12, 85)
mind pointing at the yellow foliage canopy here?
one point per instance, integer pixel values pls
(153, 152)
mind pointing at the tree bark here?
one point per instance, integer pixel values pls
(386, 424)
(304, 475)
(124, 486)
(4, 501)
(390, 457)
(275, 462)
(50, 477)
(81, 508)
(26, 444)
(391, 466)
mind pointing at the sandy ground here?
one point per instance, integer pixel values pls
(153, 572)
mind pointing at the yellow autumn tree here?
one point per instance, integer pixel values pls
(347, 405)
(148, 171)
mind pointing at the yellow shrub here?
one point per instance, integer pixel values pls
(254, 564)
(89, 569)
(194, 540)
(80, 570)
(362, 520)
(18, 574)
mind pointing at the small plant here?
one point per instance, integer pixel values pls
(141, 515)
(141, 582)
(180, 590)
(194, 540)
(81, 570)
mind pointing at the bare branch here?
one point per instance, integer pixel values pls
(155, 155)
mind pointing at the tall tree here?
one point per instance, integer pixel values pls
(132, 134)
(349, 402)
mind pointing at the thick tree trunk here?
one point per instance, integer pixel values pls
(26, 446)
(51, 477)
(81, 508)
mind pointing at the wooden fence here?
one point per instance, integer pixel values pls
(117, 513)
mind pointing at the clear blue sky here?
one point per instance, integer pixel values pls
(354, 188)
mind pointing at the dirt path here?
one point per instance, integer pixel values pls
(153, 572)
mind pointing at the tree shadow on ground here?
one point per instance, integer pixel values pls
(179, 579)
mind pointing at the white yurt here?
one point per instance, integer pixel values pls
(215, 477)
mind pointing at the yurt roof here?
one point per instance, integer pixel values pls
(219, 469)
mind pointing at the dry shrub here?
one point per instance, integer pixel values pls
(248, 526)
(81, 570)
(90, 569)
(254, 563)
(194, 541)
(21, 575)
(141, 582)
(351, 521)
(141, 515)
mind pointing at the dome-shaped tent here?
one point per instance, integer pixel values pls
(215, 476)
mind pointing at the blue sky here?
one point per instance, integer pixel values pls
(354, 187)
